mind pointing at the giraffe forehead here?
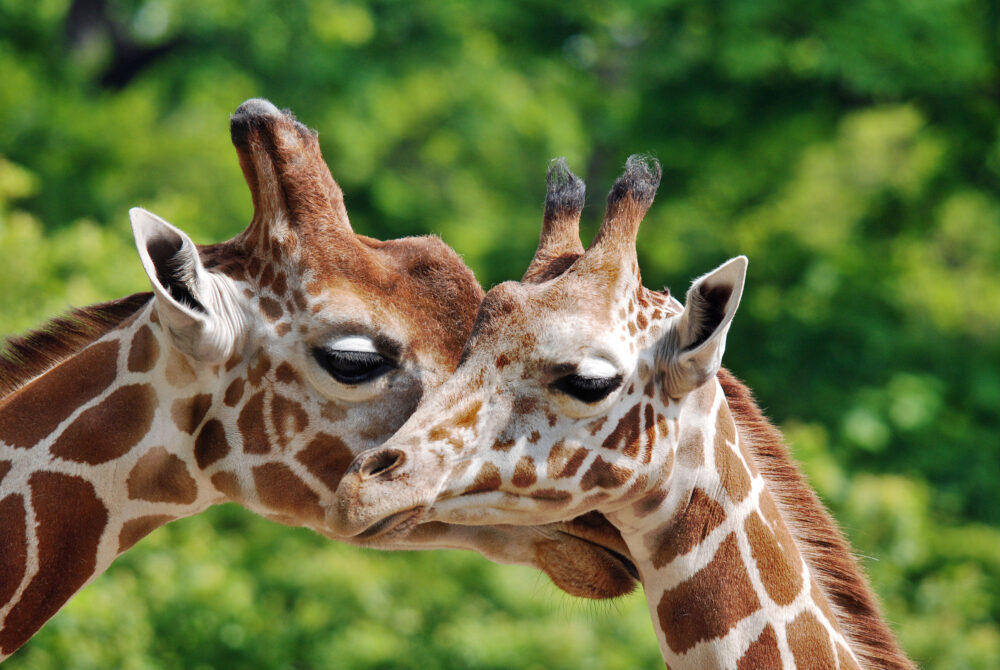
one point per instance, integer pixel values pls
(431, 312)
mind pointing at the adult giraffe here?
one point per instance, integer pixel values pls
(581, 390)
(253, 372)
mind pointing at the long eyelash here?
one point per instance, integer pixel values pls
(352, 367)
(588, 389)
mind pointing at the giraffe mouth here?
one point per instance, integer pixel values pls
(395, 525)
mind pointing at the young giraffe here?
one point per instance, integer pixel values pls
(581, 390)
(253, 372)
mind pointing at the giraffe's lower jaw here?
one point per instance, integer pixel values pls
(625, 562)
(394, 525)
(587, 569)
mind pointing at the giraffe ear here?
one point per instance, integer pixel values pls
(196, 306)
(693, 350)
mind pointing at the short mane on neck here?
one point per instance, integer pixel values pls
(816, 534)
(28, 356)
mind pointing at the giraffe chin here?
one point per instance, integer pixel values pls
(589, 560)
(586, 569)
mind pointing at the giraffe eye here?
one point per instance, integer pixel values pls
(352, 367)
(587, 389)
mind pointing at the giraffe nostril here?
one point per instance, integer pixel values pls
(381, 462)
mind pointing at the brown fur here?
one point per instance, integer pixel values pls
(762, 653)
(24, 358)
(697, 609)
(816, 534)
(65, 507)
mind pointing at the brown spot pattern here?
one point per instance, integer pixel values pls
(144, 350)
(810, 643)
(281, 490)
(687, 528)
(34, 411)
(467, 418)
(179, 370)
(691, 450)
(649, 430)
(14, 548)
(708, 605)
(734, 476)
(326, 458)
(563, 461)
(280, 284)
(502, 445)
(5, 467)
(300, 300)
(233, 361)
(256, 372)
(211, 443)
(649, 503)
(228, 484)
(271, 308)
(188, 413)
(524, 404)
(627, 432)
(267, 276)
(160, 476)
(778, 571)
(488, 479)
(604, 475)
(135, 529)
(288, 418)
(234, 392)
(524, 472)
(70, 519)
(762, 653)
(286, 374)
(108, 430)
(595, 426)
(251, 425)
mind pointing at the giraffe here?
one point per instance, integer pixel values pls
(253, 373)
(581, 391)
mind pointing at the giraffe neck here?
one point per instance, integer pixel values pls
(95, 453)
(726, 585)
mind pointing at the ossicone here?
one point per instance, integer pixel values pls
(559, 243)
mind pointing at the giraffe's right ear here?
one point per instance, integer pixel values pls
(691, 352)
(197, 307)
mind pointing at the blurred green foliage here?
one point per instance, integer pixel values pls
(852, 150)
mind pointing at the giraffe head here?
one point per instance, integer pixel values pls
(298, 344)
(567, 382)
(300, 341)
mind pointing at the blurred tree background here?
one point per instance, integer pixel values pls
(851, 150)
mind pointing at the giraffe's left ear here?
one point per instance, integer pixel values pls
(691, 353)
(197, 307)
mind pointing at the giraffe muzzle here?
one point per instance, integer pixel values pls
(382, 494)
